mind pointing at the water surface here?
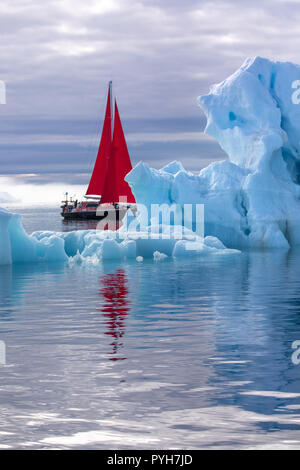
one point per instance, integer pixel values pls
(173, 354)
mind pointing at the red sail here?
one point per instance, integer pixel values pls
(97, 182)
(116, 189)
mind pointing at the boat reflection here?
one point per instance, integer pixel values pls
(116, 306)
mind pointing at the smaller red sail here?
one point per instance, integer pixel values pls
(116, 189)
(97, 181)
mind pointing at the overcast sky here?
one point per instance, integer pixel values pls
(58, 56)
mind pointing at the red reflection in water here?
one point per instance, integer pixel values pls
(114, 290)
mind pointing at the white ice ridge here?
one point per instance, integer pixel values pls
(252, 200)
(95, 246)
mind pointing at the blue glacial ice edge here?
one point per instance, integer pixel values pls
(93, 246)
(251, 200)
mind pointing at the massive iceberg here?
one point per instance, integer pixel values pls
(252, 200)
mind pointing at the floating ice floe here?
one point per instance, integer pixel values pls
(94, 246)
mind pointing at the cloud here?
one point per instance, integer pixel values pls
(19, 190)
(84, 140)
(57, 57)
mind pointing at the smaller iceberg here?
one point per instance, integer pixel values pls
(16, 246)
(94, 246)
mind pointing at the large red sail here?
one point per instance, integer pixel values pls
(116, 189)
(97, 182)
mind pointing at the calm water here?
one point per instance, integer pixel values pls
(170, 354)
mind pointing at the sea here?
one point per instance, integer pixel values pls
(197, 353)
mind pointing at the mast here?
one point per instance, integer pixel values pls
(98, 177)
(111, 106)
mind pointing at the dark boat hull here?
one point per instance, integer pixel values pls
(111, 216)
(90, 215)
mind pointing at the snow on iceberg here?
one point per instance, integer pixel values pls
(252, 200)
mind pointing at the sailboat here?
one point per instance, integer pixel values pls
(108, 195)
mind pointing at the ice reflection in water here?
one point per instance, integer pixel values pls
(207, 344)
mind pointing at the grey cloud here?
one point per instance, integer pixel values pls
(57, 57)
